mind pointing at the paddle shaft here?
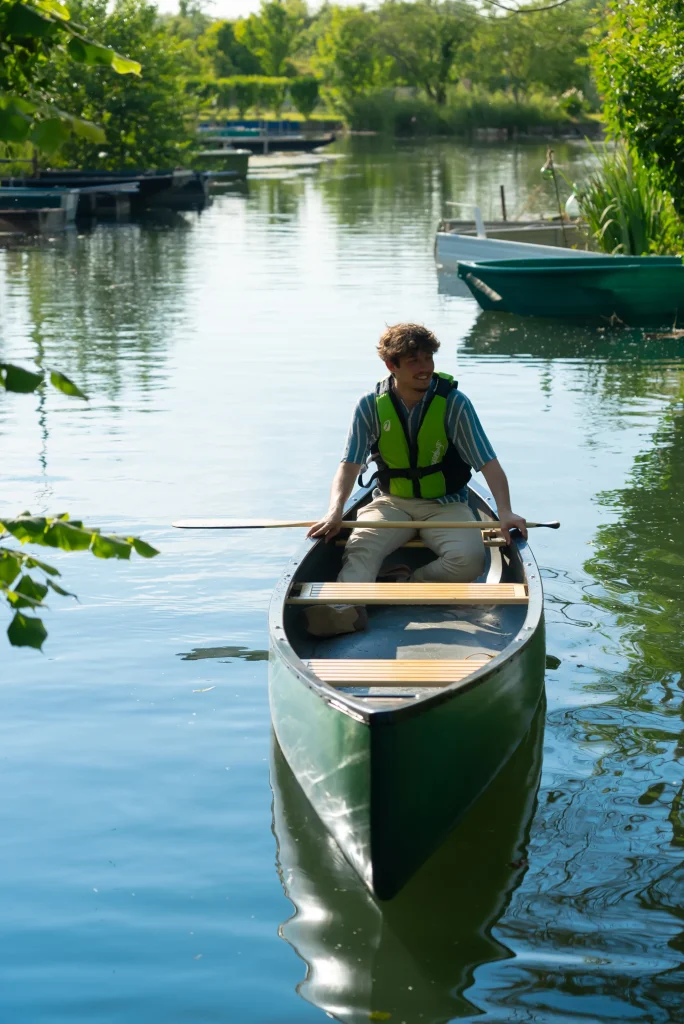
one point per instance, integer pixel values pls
(352, 524)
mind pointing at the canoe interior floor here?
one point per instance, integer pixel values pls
(416, 633)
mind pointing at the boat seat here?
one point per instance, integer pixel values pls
(409, 593)
(384, 672)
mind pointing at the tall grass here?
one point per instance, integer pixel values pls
(390, 112)
(625, 211)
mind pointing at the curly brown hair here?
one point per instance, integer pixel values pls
(405, 340)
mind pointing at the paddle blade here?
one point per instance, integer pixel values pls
(233, 524)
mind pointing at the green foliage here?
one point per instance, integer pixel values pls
(21, 590)
(348, 55)
(272, 35)
(271, 94)
(463, 113)
(229, 56)
(32, 33)
(625, 209)
(304, 93)
(638, 59)
(252, 91)
(424, 40)
(545, 51)
(147, 121)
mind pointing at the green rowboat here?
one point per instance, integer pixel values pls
(635, 289)
(394, 732)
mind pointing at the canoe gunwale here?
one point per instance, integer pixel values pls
(355, 707)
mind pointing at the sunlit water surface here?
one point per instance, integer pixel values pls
(155, 865)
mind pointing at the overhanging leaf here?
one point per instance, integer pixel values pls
(60, 590)
(67, 537)
(29, 587)
(26, 631)
(18, 600)
(50, 134)
(125, 66)
(54, 7)
(95, 55)
(25, 22)
(110, 547)
(10, 566)
(34, 563)
(14, 125)
(16, 378)
(144, 549)
(86, 129)
(62, 383)
(26, 528)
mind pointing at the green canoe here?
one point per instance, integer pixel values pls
(389, 767)
(636, 289)
(436, 932)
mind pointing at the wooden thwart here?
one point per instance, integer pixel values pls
(381, 672)
(410, 593)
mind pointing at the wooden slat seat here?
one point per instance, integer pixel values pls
(410, 593)
(382, 672)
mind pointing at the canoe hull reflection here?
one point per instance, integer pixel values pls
(437, 930)
(390, 780)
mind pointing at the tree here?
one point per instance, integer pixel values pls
(31, 33)
(347, 53)
(147, 121)
(272, 34)
(546, 49)
(424, 39)
(638, 60)
(229, 57)
(304, 94)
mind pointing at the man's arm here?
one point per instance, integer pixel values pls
(342, 486)
(498, 484)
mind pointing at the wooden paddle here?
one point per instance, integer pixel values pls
(352, 524)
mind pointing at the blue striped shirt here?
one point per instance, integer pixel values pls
(463, 428)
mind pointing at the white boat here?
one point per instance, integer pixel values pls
(476, 239)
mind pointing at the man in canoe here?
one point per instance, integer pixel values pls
(426, 440)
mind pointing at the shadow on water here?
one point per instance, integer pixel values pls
(411, 959)
(200, 653)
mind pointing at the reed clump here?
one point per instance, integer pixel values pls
(625, 210)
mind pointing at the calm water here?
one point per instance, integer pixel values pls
(156, 862)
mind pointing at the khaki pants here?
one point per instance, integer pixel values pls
(460, 554)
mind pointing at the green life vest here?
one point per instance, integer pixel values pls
(430, 465)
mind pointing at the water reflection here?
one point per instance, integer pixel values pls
(414, 959)
(101, 306)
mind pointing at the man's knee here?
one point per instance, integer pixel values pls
(464, 564)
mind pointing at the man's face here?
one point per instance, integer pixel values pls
(414, 372)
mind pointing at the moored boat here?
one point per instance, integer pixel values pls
(474, 238)
(635, 289)
(394, 732)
